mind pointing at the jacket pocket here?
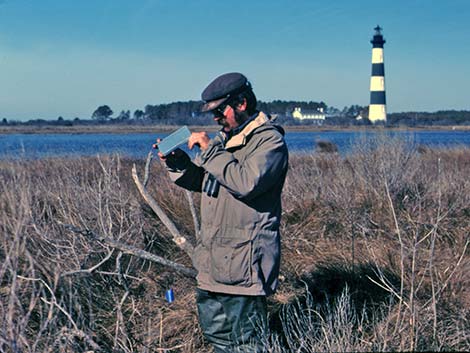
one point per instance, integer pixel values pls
(231, 261)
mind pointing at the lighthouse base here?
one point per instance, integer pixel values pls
(377, 112)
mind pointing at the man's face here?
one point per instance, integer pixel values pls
(226, 117)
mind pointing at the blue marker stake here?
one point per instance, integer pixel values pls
(169, 296)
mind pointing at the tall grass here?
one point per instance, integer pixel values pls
(375, 256)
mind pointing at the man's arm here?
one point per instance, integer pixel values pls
(265, 163)
(182, 171)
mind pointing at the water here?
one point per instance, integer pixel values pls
(346, 140)
(138, 145)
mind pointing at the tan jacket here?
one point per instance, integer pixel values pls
(238, 248)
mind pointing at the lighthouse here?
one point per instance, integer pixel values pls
(377, 108)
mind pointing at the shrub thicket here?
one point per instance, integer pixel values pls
(375, 256)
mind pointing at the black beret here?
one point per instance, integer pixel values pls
(222, 88)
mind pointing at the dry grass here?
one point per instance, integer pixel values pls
(375, 256)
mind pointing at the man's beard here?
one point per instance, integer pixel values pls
(222, 122)
(240, 118)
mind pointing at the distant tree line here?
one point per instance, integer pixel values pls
(441, 118)
(179, 113)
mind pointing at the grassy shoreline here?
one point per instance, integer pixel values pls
(131, 129)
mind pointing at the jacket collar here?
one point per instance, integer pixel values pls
(240, 138)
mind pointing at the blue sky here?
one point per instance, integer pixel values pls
(67, 57)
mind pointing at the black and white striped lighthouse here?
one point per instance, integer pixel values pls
(377, 108)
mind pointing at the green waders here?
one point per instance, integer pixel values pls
(232, 323)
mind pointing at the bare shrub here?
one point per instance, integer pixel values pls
(325, 146)
(375, 255)
(403, 211)
(68, 292)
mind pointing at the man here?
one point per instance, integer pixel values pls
(240, 173)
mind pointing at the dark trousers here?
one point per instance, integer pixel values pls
(232, 323)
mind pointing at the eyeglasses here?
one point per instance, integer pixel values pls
(220, 110)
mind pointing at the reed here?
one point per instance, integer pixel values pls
(375, 255)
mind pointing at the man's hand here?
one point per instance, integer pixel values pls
(200, 139)
(178, 159)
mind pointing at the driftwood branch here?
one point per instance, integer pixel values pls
(178, 239)
(132, 250)
(189, 197)
(147, 169)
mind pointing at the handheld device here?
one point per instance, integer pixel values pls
(174, 140)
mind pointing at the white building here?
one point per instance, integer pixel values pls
(309, 114)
